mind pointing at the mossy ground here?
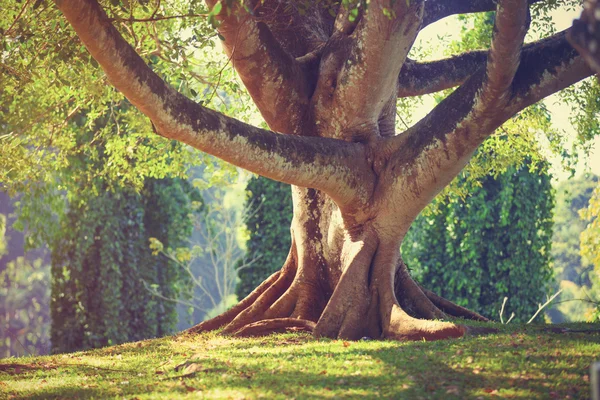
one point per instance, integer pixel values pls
(525, 362)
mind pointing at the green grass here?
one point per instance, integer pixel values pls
(519, 362)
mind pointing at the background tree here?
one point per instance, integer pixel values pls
(572, 196)
(591, 246)
(24, 290)
(24, 299)
(574, 272)
(328, 78)
(212, 258)
(101, 261)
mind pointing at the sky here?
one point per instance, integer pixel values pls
(450, 29)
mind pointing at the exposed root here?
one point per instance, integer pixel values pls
(402, 296)
(310, 301)
(283, 306)
(345, 314)
(412, 299)
(277, 325)
(375, 296)
(269, 307)
(228, 316)
(256, 311)
(453, 309)
(404, 327)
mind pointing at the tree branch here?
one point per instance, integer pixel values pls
(157, 18)
(274, 79)
(335, 167)
(438, 9)
(585, 34)
(510, 27)
(431, 153)
(546, 68)
(368, 54)
(417, 79)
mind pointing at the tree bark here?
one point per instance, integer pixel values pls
(329, 98)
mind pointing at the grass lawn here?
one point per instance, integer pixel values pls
(525, 362)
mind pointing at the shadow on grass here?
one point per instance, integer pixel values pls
(514, 364)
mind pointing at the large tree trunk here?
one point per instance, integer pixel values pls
(340, 282)
(329, 86)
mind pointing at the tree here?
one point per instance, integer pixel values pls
(574, 272)
(492, 244)
(572, 196)
(326, 78)
(24, 297)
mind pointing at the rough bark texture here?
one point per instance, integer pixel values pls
(328, 87)
(585, 34)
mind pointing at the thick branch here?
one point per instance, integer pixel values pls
(381, 45)
(438, 9)
(368, 55)
(546, 68)
(505, 53)
(585, 35)
(417, 78)
(511, 22)
(431, 153)
(332, 166)
(274, 79)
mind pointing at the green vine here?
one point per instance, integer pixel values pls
(493, 244)
(102, 259)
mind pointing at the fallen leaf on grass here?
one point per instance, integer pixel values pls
(193, 368)
(189, 388)
(453, 390)
(246, 375)
(322, 372)
(90, 386)
(188, 366)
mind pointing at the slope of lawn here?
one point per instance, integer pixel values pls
(525, 362)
